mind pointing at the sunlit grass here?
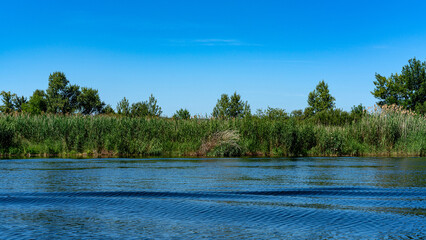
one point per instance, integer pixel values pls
(389, 130)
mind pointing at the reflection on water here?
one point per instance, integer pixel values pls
(301, 198)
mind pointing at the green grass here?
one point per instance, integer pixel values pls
(392, 133)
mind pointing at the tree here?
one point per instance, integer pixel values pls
(61, 96)
(123, 107)
(221, 108)
(19, 102)
(182, 114)
(231, 107)
(358, 112)
(89, 101)
(272, 113)
(153, 109)
(407, 89)
(320, 99)
(139, 109)
(37, 103)
(236, 106)
(108, 110)
(7, 99)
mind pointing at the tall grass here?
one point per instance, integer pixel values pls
(385, 131)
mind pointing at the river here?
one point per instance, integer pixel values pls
(196, 198)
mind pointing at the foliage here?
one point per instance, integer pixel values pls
(7, 99)
(153, 109)
(272, 113)
(19, 102)
(108, 110)
(231, 107)
(385, 131)
(62, 97)
(89, 101)
(334, 117)
(222, 106)
(139, 109)
(123, 107)
(320, 99)
(222, 144)
(358, 112)
(6, 136)
(182, 114)
(37, 103)
(407, 89)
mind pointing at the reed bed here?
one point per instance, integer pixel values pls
(386, 131)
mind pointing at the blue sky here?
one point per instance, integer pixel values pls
(187, 53)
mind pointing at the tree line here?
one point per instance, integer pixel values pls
(406, 89)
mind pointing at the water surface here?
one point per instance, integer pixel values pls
(300, 198)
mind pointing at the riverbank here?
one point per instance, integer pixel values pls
(390, 134)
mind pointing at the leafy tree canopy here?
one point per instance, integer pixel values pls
(37, 103)
(320, 99)
(153, 109)
(108, 110)
(407, 89)
(7, 99)
(139, 109)
(272, 113)
(182, 114)
(89, 101)
(123, 107)
(231, 107)
(61, 96)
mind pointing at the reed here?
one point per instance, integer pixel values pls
(388, 130)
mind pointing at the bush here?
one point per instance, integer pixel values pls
(6, 136)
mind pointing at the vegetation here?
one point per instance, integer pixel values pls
(66, 119)
(389, 130)
(231, 107)
(182, 114)
(407, 89)
(320, 99)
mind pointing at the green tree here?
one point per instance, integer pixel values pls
(89, 101)
(182, 114)
(123, 107)
(37, 103)
(153, 109)
(139, 109)
(61, 96)
(7, 99)
(320, 99)
(108, 110)
(19, 102)
(358, 112)
(236, 106)
(221, 108)
(407, 89)
(231, 107)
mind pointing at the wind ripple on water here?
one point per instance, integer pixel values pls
(309, 209)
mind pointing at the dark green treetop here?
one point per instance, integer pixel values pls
(272, 113)
(7, 99)
(153, 109)
(123, 107)
(182, 114)
(320, 99)
(231, 107)
(139, 109)
(407, 89)
(89, 101)
(61, 96)
(37, 103)
(108, 110)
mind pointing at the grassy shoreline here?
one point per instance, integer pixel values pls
(388, 133)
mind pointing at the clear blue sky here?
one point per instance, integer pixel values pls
(187, 53)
